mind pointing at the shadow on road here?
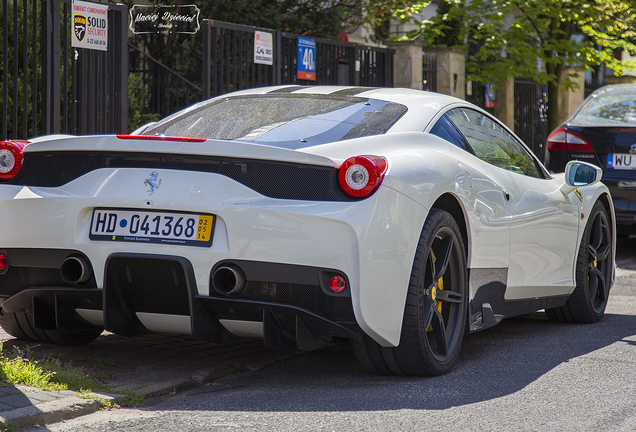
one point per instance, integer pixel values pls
(492, 364)
(626, 253)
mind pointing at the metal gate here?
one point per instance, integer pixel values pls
(531, 120)
(429, 71)
(228, 65)
(49, 87)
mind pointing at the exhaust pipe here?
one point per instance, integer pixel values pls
(75, 270)
(229, 280)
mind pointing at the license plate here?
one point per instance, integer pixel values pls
(188, 229)
(620, 161)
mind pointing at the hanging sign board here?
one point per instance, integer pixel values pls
(164, 19)
(306, 60)
(90, 26)
(263, 48)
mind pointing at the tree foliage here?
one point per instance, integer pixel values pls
(550, 41)
(379, 13)
(318, 18)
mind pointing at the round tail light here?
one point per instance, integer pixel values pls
(10, 158)
(360, 176)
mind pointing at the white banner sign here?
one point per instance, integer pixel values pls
(263, 48)
(90, 26)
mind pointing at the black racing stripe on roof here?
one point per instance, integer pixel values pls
(353, 91)
(289, 89)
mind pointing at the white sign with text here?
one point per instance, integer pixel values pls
(263, 48)
(90, 26)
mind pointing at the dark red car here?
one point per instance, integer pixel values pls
(603, 131)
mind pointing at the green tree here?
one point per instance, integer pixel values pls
(550, 41)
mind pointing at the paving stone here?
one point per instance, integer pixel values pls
(38, 397)
(16, 401)
(8, 391)
(5, 407)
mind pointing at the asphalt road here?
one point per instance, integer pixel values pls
(526, 374)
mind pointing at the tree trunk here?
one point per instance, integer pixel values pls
(553, 105)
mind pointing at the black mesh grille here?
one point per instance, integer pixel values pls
(307, 297)
(274, 179)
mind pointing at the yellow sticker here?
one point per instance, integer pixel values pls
(204, 230)
(578, 194)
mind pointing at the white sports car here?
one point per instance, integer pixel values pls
(396, 218)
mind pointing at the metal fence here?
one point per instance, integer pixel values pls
(531, 121)
(429, 72)
(169, 73)
(228, 65)
(50, 87)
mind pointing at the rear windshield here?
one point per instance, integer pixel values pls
(287, 121)
(610, 106)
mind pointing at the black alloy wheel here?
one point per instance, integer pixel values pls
(436, 307)
(594, 272)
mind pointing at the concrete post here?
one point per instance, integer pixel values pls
(569, 100)
(407, 64)
(451, 70)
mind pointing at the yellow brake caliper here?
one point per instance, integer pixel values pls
(440, 286)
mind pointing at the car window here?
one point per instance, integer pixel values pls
(447, 131)
(283, 120)
(493, 144)
(616, 105)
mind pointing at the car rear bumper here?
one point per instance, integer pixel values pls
(371, 241)
(291, 303)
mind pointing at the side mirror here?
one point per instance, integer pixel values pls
(579, 174)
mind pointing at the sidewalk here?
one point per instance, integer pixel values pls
(154, 364)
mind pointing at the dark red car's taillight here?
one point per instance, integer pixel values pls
(360, 176)
(11, 158)
(565, 140)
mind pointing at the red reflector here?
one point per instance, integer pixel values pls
(160, 138)
(3, 262)
(337, 284)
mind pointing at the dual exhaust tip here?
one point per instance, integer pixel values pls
(229, 279)
(75, 270)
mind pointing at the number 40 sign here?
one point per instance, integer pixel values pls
(306, 60)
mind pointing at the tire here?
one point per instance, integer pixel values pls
(593, 272)
(20, 325)
(436, 307)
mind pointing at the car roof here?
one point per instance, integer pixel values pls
(391, 94)
(422, 105)
(627, 88)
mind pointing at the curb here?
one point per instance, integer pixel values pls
(55, 411)
(76, 405)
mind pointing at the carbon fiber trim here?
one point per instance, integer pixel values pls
(274, 179)
(353, 91)
(289, 89)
